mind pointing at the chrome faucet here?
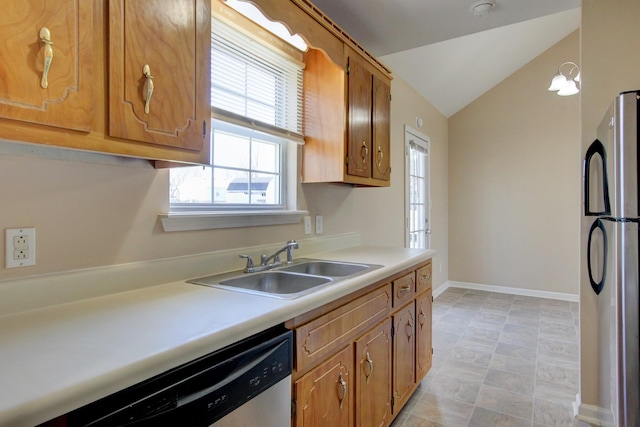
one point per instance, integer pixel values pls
(264, 259)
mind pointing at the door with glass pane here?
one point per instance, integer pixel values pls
(418, 200)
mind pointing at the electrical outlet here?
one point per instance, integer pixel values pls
(319, 224)
(20, 247)
(307, 224)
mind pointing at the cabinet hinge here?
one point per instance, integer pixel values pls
(393, 331)
(393, 401)
(347, 160)
(293, 408)
(348, 69)
(432, 299)
(389, 97)
(431, 350)
(204, 129)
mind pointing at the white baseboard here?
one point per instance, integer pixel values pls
(506, 290)
(590, 414)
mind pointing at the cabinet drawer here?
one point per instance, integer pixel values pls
(318, 339)
(404, 289)
(423, 276)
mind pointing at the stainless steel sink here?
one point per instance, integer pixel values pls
(327, 268)
(277, 284)
(290, 281)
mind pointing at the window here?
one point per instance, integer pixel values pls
(417, 183)
(256, 93)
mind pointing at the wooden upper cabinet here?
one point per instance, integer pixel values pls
(381, 129)
(46, 62)
(359, 144)
(368, 118)
(159, 68)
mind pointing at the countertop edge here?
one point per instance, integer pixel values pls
(42, 407)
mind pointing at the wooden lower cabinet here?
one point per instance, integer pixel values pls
(359, 359)
(324, 395)
(424, 349)
(404, 351)
(373, 377)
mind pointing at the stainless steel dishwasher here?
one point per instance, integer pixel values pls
(245, 384)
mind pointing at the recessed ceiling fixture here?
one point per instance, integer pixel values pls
(566, 85)
(483, 7)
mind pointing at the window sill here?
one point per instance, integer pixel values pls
(189, 221)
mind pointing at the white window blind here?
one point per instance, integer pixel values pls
(254, 85)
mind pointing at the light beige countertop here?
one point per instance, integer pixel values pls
(54, 359)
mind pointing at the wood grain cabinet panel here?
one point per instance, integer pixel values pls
(424, 348)
(319, 338)
(423, 278)
(381, 129)
(359, 146)
(171, 39)
(373, 377)
(404, 347)
(324, 395)
(42, 82)
(404, 289)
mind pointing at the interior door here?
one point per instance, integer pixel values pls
(417, 187)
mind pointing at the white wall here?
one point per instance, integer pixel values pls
(92, 211)
(514, 182)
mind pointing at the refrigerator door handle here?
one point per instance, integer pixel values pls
(597, 286)
(596, 147)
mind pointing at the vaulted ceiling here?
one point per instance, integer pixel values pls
(445, 52)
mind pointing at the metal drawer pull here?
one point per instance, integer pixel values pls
(370, 363)
(405, 288)
(422, 317)
(380, 156)
(45, 37)
(409, 328)
(364, 152)
(148, 87)
(343, 388)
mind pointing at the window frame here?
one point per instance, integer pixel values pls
(196, 216)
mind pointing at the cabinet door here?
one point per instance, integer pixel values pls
(373, 377)
(423, 335)
(324, 395)
(159, 62)
(381, 127)
(404, 346)
(359, 120)
(62, 95)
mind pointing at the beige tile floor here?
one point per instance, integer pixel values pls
(499, 360)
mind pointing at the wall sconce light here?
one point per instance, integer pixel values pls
(566, 85)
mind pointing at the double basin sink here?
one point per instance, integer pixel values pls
(288, 281)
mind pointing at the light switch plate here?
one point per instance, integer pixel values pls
(307, 224)
(319, 224)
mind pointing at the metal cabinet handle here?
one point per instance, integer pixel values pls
(364, 151)
(422, 318)
(147, 90)
(380, 156)
(405, 288)
(343, 388)
(45, 37)
(370, 364)
(409, 328)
